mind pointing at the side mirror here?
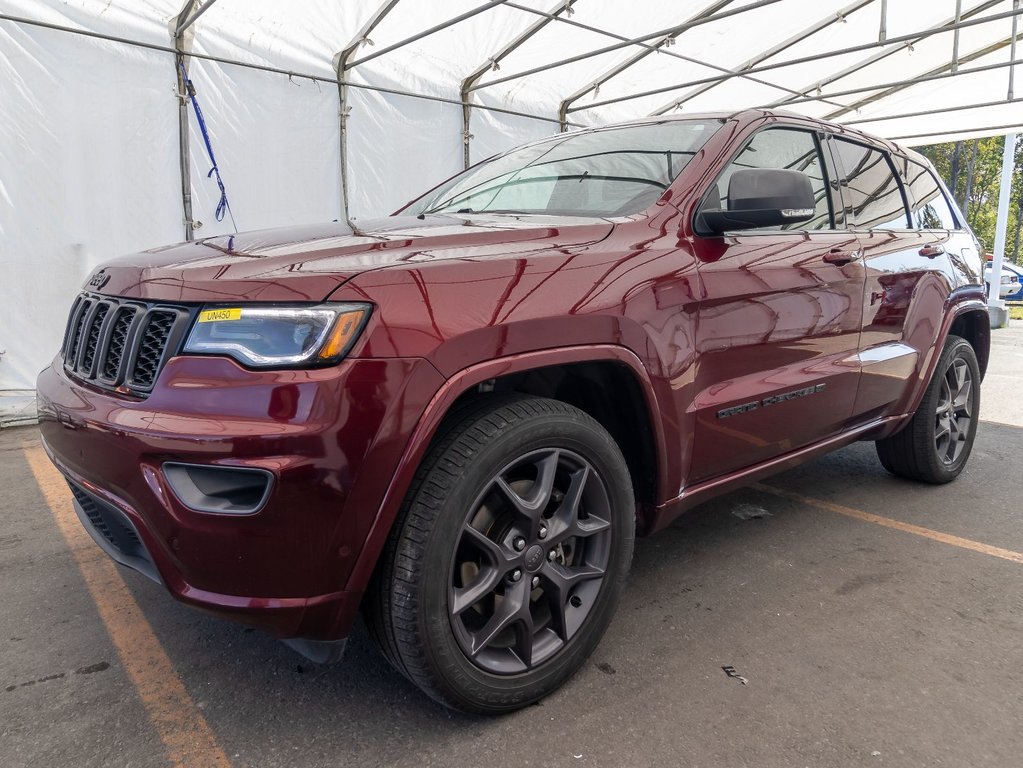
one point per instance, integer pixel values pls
(762, 197)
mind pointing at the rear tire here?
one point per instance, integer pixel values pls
(936, 443)
(508, 557)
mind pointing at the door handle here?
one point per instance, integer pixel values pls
(840, 257)
(932, 251)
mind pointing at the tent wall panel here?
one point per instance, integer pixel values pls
(88, 170)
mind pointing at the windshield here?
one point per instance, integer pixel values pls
(606, 172)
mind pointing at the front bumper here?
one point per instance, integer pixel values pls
(331, 439)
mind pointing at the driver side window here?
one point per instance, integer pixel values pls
(787, 149)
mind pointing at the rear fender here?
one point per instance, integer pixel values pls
(962, 301)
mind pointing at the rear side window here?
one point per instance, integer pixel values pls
(873, 198)
(780, 148)
(930, 209)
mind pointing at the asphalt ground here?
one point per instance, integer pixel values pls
(865, 621)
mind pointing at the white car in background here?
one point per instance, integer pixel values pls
(1010, 282)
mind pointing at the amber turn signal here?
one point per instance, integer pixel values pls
(346, 328)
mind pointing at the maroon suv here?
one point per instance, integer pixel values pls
(455, 418)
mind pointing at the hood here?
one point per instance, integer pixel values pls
(308, 263)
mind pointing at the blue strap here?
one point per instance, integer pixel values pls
(222, 206)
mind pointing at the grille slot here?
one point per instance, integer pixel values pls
(75, 341)
(123, 345)
(92, 337)
(156, 329)
(120, 328)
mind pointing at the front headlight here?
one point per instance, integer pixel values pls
(273, 337)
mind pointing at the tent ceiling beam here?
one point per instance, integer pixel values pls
(663, 50)
(988, 130)
(184, 22)
(955, 20)
(493, 63)
(427, 32)
(913, 81)
(676, 30)
(915, 36)
(774, 50)
(940, 111)
(637, 57)
(924, 77)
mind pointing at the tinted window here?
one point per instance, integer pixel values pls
(930, 208)
(609, 172)
(873, 198)
(781, 148)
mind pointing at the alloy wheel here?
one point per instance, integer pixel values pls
(955, 411)
(530, 560)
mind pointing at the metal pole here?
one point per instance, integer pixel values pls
(494, 62)
(882, 32)
(184, 151)
(341, 67)
(1012, 55)
(955, 39)
(1001, 225)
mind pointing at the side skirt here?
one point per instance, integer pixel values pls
(664, 514)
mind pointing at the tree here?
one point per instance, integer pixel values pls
(974, 184)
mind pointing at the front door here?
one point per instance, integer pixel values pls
(778, 329)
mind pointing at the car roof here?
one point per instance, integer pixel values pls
(748, 115)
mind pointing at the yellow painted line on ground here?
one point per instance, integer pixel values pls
(182, 728)
(927, 533)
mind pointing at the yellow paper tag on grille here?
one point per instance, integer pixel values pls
(216, 315)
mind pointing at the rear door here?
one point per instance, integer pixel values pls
(780, 316)
(893, 206)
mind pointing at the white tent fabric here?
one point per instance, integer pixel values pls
(90, 164)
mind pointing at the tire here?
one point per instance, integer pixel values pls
(936, 443)
(508, 557)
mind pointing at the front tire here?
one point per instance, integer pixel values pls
(936, 443)
(509, 555)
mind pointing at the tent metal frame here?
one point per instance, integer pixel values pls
(493, 63)
(669, 31)
(874, 58)
(774, 50)
(345, 61)
(914, 36)
(637, 57)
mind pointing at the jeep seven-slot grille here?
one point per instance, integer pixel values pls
(121, 344)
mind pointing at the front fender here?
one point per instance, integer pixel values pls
(422, 435)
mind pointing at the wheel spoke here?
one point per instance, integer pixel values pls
(961, 401)
(482, 585)
(533, 505)
(494, 552)
(560, 580)
(565, 522)
(509, 611)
